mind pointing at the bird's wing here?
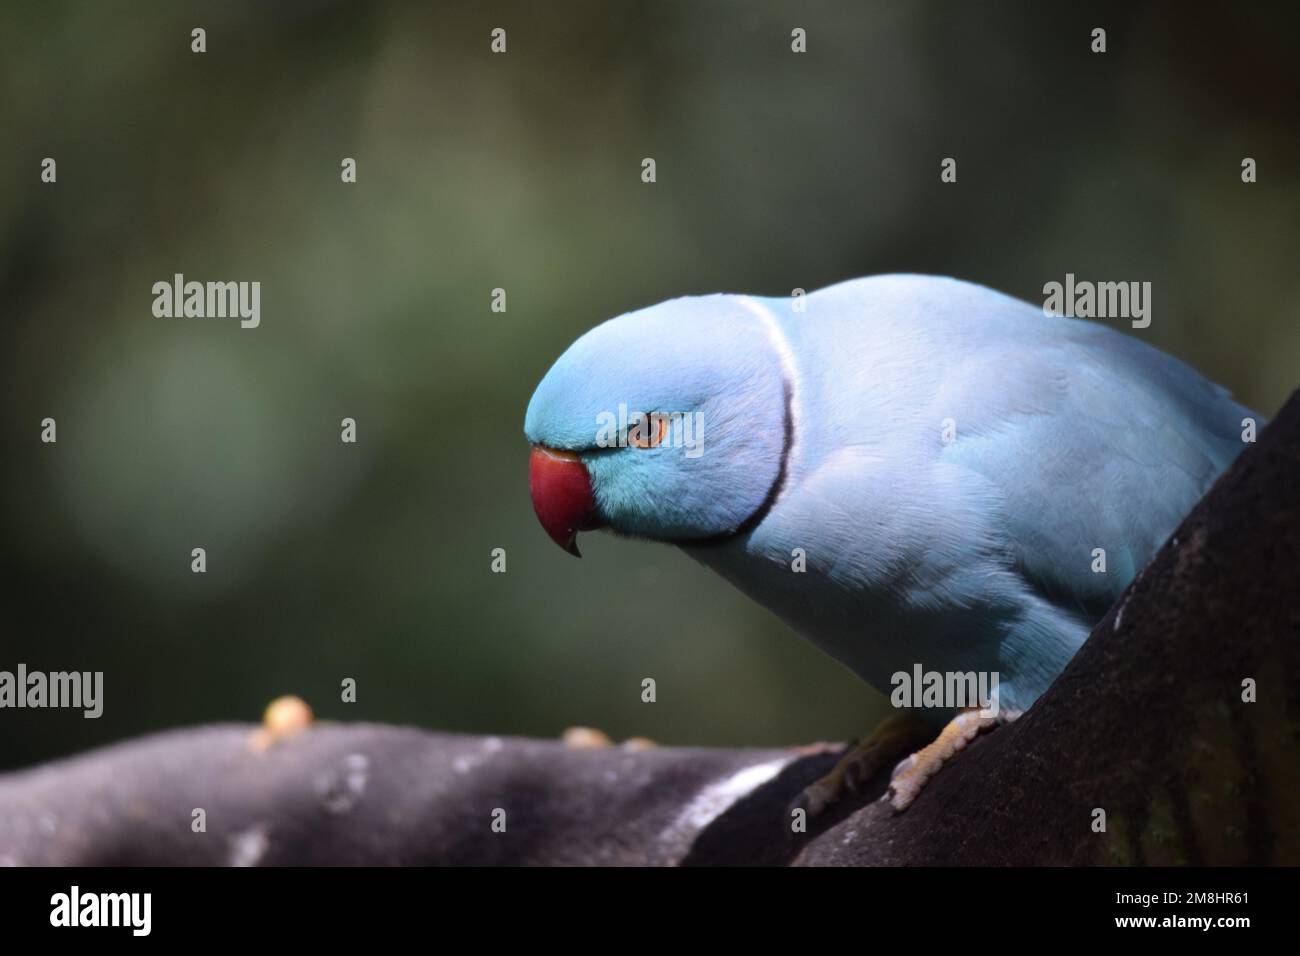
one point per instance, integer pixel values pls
(1110, 443)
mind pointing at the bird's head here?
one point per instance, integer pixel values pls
(669, 423)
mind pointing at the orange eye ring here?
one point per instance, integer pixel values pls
(649, 431)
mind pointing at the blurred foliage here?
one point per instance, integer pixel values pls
(521, 171)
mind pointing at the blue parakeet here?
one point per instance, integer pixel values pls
(906, 469)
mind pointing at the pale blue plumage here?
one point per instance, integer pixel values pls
(825, 431)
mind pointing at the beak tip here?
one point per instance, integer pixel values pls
(568, 542)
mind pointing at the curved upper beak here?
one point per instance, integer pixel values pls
(562, 497)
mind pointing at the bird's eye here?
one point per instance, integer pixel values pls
(649, 432)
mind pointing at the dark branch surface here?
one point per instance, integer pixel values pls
(1147, 723)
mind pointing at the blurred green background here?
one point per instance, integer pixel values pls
(522, 171)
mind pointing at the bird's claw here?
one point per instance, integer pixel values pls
(863, 761)
(913, 772)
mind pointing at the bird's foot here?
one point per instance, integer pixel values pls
(895, 736)
(911, 775)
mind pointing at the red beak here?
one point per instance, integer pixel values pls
(562, 496)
